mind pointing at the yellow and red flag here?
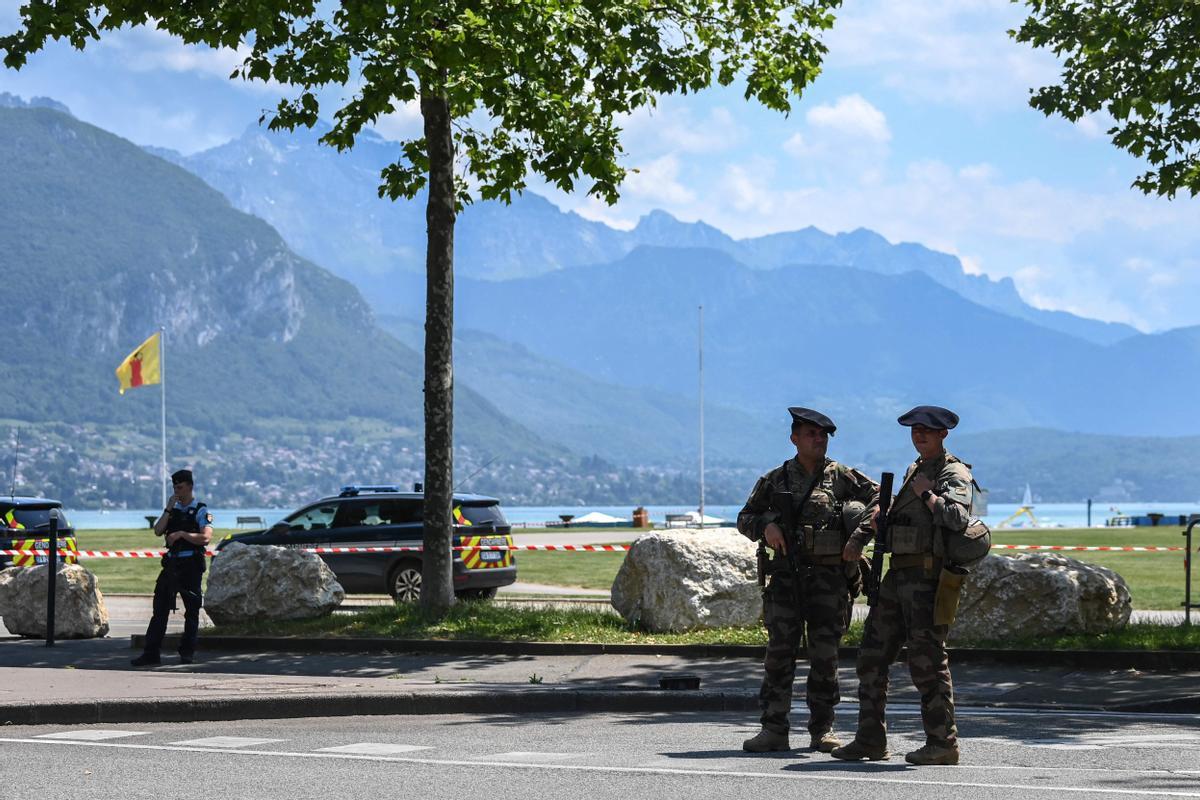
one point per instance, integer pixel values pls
(142, 366)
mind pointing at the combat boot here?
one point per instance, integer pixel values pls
(766, 741)
(824, 742)
(857, 751)
(932, 754)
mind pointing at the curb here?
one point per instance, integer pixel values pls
(525, 701)
(1150, 660)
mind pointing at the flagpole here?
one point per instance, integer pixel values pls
(701, 377)
(162, 385)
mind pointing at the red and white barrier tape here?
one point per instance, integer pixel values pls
(576, 548)
(590, 548)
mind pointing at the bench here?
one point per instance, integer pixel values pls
(250, 521)
(684, 519)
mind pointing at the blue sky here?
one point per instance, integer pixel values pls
(919, 129)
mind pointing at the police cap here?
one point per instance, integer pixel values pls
(182, 476)
(934, 417)
(812, 418)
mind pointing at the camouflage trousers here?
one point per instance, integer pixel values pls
(825, 612)
(904, 615)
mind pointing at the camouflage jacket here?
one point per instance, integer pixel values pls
(916, 529)
(838, 485)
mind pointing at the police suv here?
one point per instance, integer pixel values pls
(24, 525)
(385, 516)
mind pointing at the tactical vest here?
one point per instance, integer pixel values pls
(185, 520)
(819, 521)
(911, 529)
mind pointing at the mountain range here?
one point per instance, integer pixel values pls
(573, 339)
(325, 204)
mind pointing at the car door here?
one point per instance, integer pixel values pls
(360, 524)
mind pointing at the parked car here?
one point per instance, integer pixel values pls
(385, 516)
(24, 525)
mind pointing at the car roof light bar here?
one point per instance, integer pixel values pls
(353, 489)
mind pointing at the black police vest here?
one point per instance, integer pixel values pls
(185, 520)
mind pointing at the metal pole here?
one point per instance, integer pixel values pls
(701, 376)
(1089, 512)
(162, 386)
(1187, 573)
(52, 577)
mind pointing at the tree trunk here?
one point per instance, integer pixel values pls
(437, 589)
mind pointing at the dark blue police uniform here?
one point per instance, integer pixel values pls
(182, 571)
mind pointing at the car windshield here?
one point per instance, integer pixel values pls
(30, 518)
(314, 518)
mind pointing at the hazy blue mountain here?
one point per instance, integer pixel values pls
(621, 424)
(325, 205)
(865, 344)
(101, 243)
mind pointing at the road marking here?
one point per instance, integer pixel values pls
(374, 749)
(528, 756)
(90, 735)
(225, 741)
(793, 774)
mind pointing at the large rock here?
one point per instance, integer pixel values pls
(1036, 595)
(263, 582)
(79, 610)
(684, 579)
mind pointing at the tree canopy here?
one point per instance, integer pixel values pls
(1137, 60)
(531, 84)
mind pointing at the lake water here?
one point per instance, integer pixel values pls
(1066, 515)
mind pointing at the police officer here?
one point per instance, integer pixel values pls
(934, 500)
(186, 525)
(828, 501)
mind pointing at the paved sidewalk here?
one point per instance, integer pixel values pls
(91, 681)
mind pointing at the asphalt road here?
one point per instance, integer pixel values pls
(1006, 755)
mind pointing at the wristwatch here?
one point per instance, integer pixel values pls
(925, 495)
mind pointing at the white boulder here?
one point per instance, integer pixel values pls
(689, 578)
(79, 610)
(1036, 595)
(264, 582)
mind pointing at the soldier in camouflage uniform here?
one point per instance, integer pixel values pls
(838, 499)
(934, 499)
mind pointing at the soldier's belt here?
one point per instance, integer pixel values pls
(907, 561)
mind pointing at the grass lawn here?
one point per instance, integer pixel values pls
(489, 621)
(1155, 579)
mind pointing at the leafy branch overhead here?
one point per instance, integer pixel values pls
(532, 84)
(1137, 60)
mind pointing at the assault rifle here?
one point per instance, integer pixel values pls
(781, 502)
(882, 541)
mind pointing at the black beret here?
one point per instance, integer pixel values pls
(182, 476)
(934, 417)
(812, 418)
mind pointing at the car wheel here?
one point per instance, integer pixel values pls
(405, 583)
(478, 594)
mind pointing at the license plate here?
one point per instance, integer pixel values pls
(491, 555)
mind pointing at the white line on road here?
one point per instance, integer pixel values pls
(790, 775)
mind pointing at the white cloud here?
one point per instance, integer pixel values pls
(851, 116)
(402, 123)
(672, 127)
(941, 51)
(658, 180)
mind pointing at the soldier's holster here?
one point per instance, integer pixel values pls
(945, 602)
